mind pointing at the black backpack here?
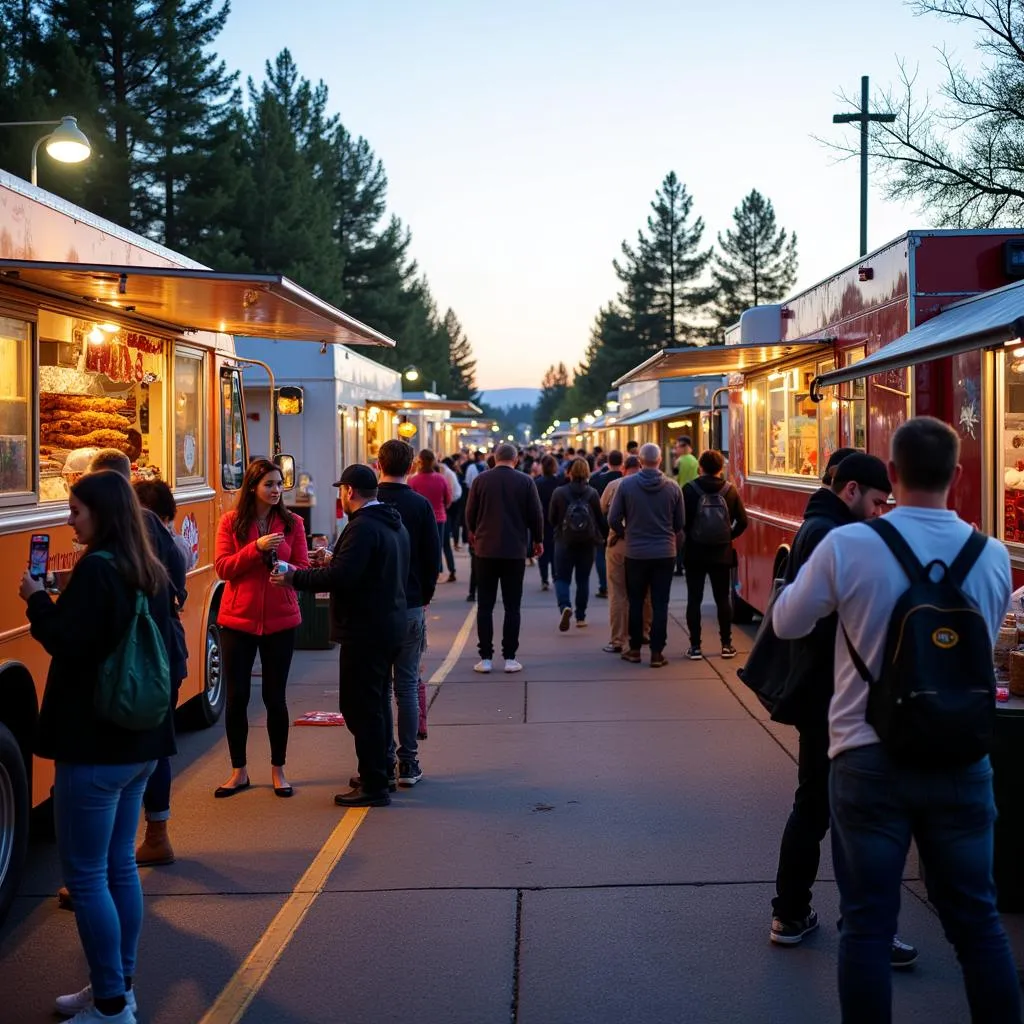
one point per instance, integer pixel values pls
(712, 523)
(933, 705)
(578, 524)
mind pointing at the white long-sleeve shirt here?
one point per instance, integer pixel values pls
(853, 572)
(453, 481)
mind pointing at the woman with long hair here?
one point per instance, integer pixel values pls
(257, 617)
(101, 768)
(429, 481)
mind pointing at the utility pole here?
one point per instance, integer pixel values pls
(864, 117)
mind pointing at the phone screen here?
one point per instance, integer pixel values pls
(38, 555)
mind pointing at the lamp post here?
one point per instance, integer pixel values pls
(66, 143)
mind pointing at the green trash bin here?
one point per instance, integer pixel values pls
(314, 632)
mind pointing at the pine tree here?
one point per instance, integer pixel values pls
(461, 364)
(758, 261)
(553, 389)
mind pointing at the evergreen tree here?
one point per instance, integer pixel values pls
(758, 261)
(461, 364)
(553, 389)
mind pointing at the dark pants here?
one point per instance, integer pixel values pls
(456, 516)
(877, 807)
(808, 821)
(157, 798)
(569, 559)
(720, 576)
(546, 562)
(364, 698)
(491, 573)
(239, 651)
(472, 571)
(654, 574)
(445, 533)
(602, 568)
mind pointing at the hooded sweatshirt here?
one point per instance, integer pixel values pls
(712, 554)
(366, 577)
(652, 504)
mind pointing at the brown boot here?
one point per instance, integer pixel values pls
(156, 847)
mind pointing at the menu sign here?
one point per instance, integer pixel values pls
(119, 355)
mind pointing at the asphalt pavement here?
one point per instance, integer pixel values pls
(593, 841)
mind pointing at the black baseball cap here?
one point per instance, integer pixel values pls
(837, 456)
(358, 476)
(866, 470)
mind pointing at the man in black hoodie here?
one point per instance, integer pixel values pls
(395, 460)
(857, 488)
(715, 517)
(366, 578)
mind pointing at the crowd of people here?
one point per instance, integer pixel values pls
(569, 513)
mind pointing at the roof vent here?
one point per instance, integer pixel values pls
(761, 325)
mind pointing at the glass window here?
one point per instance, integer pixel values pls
(232, 438)
(853, 400)
(15, 407)
(1012, 444)
(189, 450)
(757, 434)
(828, 422)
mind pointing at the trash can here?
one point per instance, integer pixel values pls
(314, 633)
(1008, 785)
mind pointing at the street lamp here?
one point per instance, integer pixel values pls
(66, 143)
(411, 374)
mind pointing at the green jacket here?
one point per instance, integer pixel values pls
(687, 469)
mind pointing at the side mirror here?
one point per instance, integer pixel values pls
(286, 463)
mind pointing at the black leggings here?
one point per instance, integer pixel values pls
(239, 653)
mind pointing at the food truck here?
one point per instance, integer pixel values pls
(108, 340)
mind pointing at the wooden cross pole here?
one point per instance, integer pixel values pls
(864, 117)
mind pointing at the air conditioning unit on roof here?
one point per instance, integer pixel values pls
(761, 325)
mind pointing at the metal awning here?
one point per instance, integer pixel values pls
(982, 321)
(430, 405)
(716, 360)
(248, 305)
(661, 413)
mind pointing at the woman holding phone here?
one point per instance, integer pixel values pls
(256, 617)
(101, 768)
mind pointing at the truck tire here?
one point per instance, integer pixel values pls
(742, 613)
(205, 708)
(14, 818)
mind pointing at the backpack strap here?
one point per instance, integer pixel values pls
(964, 561)
(900, 549)
(858, 661)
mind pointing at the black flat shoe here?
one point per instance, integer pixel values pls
(284, 791)
(224, 791)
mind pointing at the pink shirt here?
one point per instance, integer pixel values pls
(436, 489)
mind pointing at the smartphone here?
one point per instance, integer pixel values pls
(38, 555)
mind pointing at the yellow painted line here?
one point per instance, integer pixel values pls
(236, 997)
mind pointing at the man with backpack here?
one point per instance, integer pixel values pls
(715, 517)
(920, 597)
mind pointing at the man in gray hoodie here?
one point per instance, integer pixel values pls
(652, 504)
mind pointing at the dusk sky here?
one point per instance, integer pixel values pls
(524, 141)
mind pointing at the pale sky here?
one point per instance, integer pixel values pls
(524, 140)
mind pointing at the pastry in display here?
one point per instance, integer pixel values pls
(1017, 672)
(79, 403)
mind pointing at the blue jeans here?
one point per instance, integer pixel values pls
(406, 671)
(600, 565)
(96, 811)
(569, 559)
(877, 807)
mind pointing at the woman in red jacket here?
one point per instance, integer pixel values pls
(256, 616)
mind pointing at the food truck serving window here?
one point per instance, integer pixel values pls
(15, 408)
(787, 433)
(189, 442)
(1011, 446)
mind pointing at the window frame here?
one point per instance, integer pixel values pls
(21, 499)
(232, 378)
(199, 356)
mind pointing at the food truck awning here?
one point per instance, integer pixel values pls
(652, 415)
(430, 405)
(715, 360)
(249, 305)
(983, 321)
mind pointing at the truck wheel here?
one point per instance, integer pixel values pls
(742, 613)
(14, 818)
(205, 708)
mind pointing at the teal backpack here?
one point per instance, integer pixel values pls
(134, 686)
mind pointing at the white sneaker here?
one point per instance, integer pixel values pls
(76, 1002)
(484, 665)
(511, 665)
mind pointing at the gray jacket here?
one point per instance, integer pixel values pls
(652, 504)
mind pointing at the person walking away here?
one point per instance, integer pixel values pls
(716, 517)
(858, 490)
(652, 504)
(578, 525)
(395, 459)
(458, 507)
(156, 497)
(547, 483)
(454, 509)
(610, 470)
(615, 554)
(479, 466)
(503, 510)
(893, 778)
(366, 579)
(101, 767)
(687, 470)
(430, 482)
(257, 618)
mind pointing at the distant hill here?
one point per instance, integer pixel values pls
(503, 398)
